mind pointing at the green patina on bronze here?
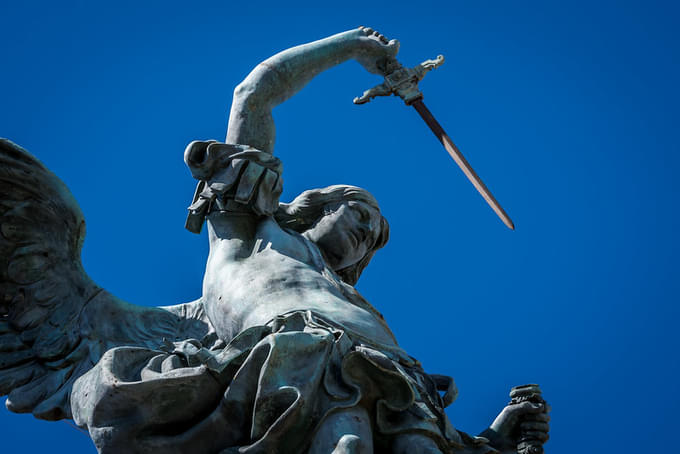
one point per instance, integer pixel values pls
(279, 355)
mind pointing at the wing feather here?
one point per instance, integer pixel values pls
(55, 322)
(15, 377)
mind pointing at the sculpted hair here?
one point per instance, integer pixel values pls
(302, 213)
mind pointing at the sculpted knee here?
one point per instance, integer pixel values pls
(350, 444)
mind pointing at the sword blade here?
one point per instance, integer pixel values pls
(462, 162)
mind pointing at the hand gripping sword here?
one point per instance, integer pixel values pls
(403, 82)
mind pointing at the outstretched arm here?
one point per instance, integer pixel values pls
(224, 184)
(279, 77)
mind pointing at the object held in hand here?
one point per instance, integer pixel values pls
(527, 444)
(403, 82)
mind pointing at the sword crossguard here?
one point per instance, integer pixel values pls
(401, 81)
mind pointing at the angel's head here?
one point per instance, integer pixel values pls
(344, 222)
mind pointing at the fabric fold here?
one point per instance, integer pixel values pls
(267, 391)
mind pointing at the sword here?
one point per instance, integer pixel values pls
(403, 82)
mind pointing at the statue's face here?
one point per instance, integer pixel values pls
(346, 233)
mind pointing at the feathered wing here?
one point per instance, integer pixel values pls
(55, 322)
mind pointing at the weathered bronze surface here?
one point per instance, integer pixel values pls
(279, 355)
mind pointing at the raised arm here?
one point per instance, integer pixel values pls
(279, 77)
(241, 175)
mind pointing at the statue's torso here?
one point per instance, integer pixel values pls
(280, 273)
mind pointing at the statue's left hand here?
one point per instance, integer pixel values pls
(525, 418)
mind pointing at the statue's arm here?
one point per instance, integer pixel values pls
(279, 77)
(241, 178)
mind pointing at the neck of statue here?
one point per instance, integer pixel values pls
(227, 226)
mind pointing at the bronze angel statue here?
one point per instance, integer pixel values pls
(280, 354)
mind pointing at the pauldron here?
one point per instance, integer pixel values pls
(236, 178)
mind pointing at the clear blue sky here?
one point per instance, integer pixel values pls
(568, 110)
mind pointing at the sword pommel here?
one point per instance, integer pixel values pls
(401, 81)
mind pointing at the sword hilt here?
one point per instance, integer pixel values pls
(527, 444)
(401, 81)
